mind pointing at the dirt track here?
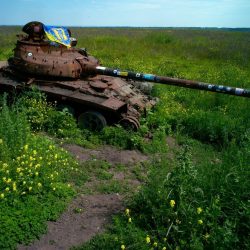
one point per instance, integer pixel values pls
(85, 217)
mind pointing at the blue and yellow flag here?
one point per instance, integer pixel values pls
(57, 34)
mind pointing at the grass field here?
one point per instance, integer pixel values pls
(199, 201)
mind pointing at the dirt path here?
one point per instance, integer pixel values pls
(84, 218)
(88, 215)
(108, 153)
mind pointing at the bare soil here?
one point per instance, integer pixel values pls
(107, 153)
(85, 217)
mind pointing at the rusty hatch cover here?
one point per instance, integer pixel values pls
(98, 85)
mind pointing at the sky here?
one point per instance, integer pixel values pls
(135, 13)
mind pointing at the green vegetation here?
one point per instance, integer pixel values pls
(35, 179)
(193, 206)
(199, 200)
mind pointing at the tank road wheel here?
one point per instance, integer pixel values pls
(130, 123)
(92, 120)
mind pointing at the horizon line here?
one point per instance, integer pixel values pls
(128, 26)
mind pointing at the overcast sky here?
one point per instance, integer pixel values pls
(150, 13)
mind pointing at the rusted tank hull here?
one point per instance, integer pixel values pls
(115, 99)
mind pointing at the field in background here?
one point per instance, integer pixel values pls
(210, 56)
(202, 200)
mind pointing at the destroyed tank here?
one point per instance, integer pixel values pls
(46, 58)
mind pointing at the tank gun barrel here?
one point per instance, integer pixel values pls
(173, 81)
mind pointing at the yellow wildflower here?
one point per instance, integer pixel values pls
(36, 173)
(1, 141)
(172, 203)
(155, 244)
(199, 210)
(30, 188)
(34, 152)
(9, 180)
(129, 220)
(148, 239)
(2, 195)
(14, 186)
(18, 170)
(5, 165)
(7, 189)
(122, 247)
(200, 222)
(26, 147)
(39, 184)
(37, 166)
(127, 211)
(164, 248)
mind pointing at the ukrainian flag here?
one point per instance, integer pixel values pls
(57, 34)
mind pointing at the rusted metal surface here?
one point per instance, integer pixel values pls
(118, 100)
(44, 59)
